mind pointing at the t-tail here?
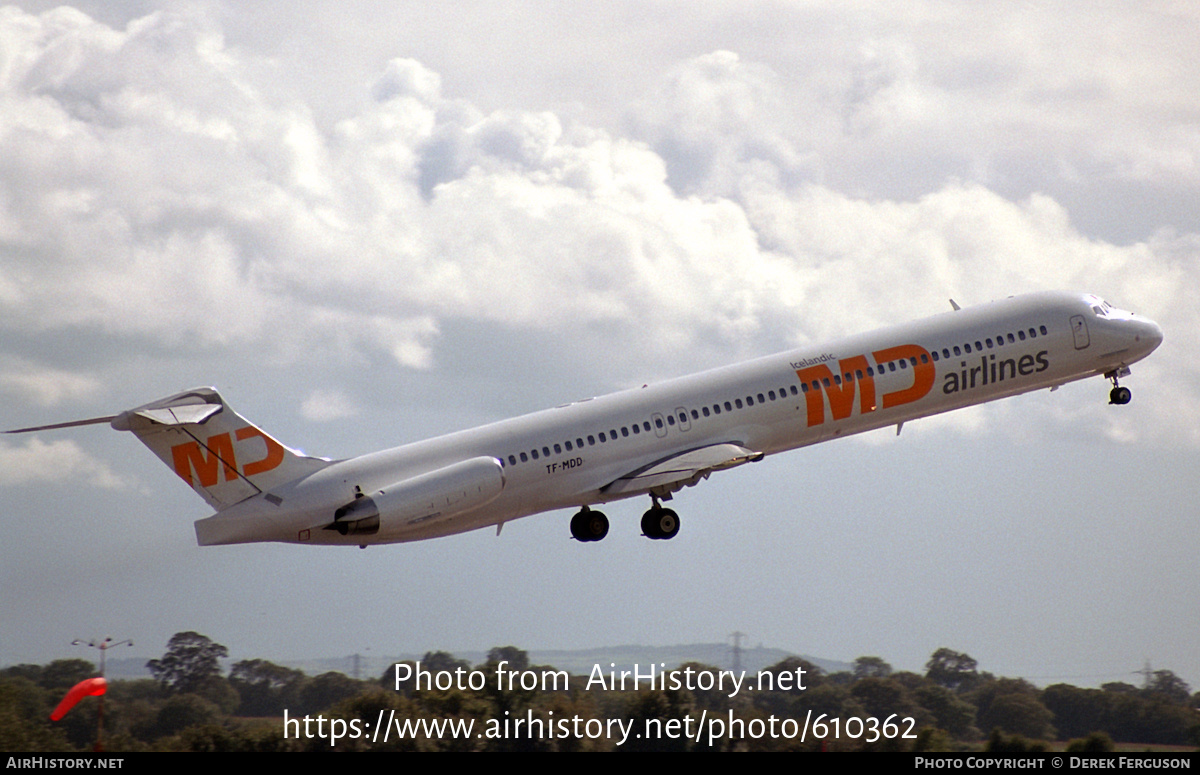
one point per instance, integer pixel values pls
(222, 456)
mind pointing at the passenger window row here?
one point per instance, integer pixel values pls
(678, 418)
(934, 355)
(715, 409)
(1000, 341)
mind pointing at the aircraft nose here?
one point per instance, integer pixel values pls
(1148, 335)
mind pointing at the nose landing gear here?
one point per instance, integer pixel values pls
(1118, 395)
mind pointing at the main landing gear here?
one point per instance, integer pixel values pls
(1118, 395)
(588, 525)
(659, 523)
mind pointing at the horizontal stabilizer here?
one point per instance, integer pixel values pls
(682, 470)
(199, 409)
(72, 424)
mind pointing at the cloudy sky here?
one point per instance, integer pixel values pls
(372, 223)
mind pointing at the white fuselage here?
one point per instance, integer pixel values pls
(583, 453)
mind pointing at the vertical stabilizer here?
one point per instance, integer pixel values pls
(221, 455)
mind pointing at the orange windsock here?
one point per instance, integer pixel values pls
(90, 687)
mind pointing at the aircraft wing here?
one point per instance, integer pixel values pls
(682, 470)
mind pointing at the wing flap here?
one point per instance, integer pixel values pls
(682, 470)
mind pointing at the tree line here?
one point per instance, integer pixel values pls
(190, 703)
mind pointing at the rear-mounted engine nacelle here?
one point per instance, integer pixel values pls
(430, 497)
(359, 517)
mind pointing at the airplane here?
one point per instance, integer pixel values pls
(654, 440)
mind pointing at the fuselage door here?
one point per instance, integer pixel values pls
(660, 424)
(1080, 332)
(681, 418)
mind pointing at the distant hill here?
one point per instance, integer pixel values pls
(576, 662)
(582, 661)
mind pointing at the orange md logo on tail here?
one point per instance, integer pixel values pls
(217, 454)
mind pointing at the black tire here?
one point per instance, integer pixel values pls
(578, 526)
(650, 523)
